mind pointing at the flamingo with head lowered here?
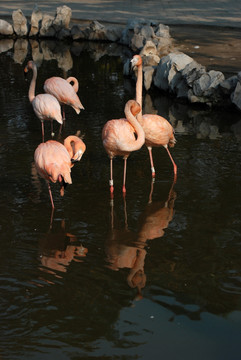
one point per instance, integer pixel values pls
(122, 136)
(64, 92)
(45, 106)
(158, 131)
(54, 161)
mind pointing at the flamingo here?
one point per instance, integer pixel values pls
(45, 106)
(64, 92)
(119, 138)
(54, 161)
(158, 131)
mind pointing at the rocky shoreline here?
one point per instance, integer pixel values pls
(164, 66)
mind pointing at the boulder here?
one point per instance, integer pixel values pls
(77, 32)
(47, 28)
(20, 24)
(62, 18)
(236, 96)
(168, 72)
(36, 18)
(208, 83)
(5, 28)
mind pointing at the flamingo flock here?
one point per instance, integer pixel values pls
(54, 160)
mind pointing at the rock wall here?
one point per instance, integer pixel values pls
(164, 66)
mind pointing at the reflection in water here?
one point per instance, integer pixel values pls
(127, 249)
(58, 248)
(190, 273)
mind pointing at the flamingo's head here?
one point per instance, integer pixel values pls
(136, 61)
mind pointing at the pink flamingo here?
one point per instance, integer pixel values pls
(119, 138)
(54, 160)
(158, 131)
(64, 92)
(45, 106)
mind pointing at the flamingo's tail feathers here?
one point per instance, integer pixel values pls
(59, 118)
(172, 142)
(78, 107)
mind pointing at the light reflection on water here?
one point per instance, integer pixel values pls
(128, 277)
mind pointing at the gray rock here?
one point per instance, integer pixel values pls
(168, 72)
(148, 75)
(228, 85)
(77, 32)
(36, 18)
(113, 33)
(20, 24)
(163, 31)
(208, 83)
(62, 18)
(137, 42)
(64, 34)
(192, 72)
(236, 96)
(5, 28)
(47, 29)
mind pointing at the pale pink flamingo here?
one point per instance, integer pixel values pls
(122, 136)
(53, 161)
(45, 106)
(64, 92)
(158, 131)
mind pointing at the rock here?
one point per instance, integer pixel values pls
(208, 83)
(147, 32)
(113, 33)
(5, 28)
(168, 72)
(236, 96)
(36, 18)
(77, 32)
(97, 31)
(20, 24)
(228, 85)
(163, 31)
(62, 18)
(47, 29)
(137, 42)
(192, 72)
(64, 34)
(149, 49)
(148, 75)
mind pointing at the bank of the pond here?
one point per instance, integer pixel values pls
(214, 51)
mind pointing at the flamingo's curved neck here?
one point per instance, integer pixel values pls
(31, 92)
(138, 129)
(139, 90)
(75, 82)
(74, 146)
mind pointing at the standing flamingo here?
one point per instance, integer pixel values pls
(53, 161)
(45, 106)
(158, 131)
(64, 92)
(119, 138)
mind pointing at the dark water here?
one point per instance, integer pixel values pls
(154, 275)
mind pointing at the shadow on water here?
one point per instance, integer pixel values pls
(70, 281)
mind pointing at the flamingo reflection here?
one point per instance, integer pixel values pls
(127, 249)
(157, 215)
(58, 249)
(123, 251)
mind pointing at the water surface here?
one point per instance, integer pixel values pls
(154, 274)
